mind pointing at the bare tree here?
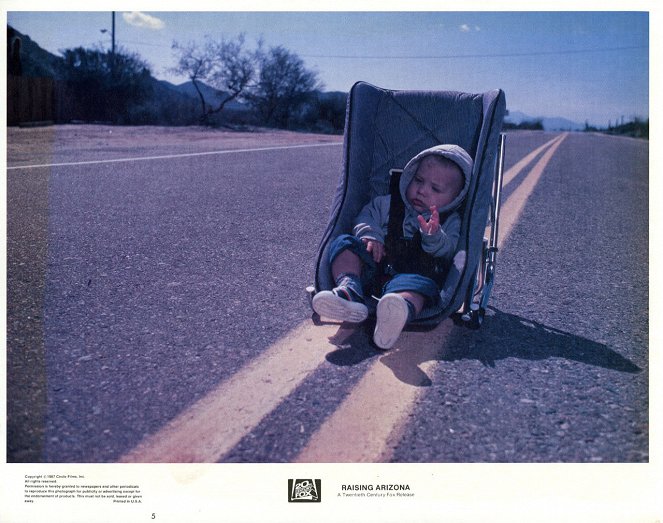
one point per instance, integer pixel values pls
(195, 64)
(284, 84)
(225, 65)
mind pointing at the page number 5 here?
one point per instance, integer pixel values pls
(154, 516)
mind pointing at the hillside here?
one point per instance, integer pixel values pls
(211, 95)
(180, 104)
(37, 62)
(555, 123)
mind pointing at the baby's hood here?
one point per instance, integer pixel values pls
(453, 152)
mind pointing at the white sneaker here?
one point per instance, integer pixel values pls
(329, 305)
(392, 314)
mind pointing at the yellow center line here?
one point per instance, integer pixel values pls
(368, 424)
(524, 162)
(516, 202)
(217, 422)
(211, 427)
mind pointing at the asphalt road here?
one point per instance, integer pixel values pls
(135, 288)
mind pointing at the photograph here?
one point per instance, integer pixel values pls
(394, 263)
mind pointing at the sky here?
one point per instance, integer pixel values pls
(586, 66)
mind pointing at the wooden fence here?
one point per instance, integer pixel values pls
(37, 100)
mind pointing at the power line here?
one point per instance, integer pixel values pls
(433, 57)
(490, 55)
(146, 43)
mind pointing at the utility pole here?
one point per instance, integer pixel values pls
(113, 35)
(112, 56)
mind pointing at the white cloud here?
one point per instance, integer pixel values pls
(139, 19)
(466, 28)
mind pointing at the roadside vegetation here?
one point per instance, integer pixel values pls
(536, 125)
(226, 83)
(635, 128)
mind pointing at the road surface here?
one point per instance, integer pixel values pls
(156, 312)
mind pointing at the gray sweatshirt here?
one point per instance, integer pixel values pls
(373, 219)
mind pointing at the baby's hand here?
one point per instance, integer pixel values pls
(431, 226)
(375, 248)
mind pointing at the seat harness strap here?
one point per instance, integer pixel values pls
(405, 255)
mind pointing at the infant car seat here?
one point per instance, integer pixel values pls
(384, 129)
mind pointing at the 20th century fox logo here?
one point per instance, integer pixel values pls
(304, 490)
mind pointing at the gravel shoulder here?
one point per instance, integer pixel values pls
(68, 143)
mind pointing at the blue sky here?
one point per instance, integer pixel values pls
(585, 66)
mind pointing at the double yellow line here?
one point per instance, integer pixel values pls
(369, 423)
(366, 426)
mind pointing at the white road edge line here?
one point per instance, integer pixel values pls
(171, 156)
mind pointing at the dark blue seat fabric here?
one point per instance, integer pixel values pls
(386, 128)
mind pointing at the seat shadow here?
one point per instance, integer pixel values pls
(509, 336)
(354, 342)
(501, 336)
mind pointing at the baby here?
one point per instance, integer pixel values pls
(406, 239)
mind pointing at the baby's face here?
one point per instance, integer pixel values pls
(434, 184)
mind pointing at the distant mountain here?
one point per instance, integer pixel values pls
(38, 62)
(212, 96)
(549, 123)
(561, 124)
(35, 60)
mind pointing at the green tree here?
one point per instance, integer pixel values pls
(283, 86)
(105, 84)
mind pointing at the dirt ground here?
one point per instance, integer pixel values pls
(29, 145)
